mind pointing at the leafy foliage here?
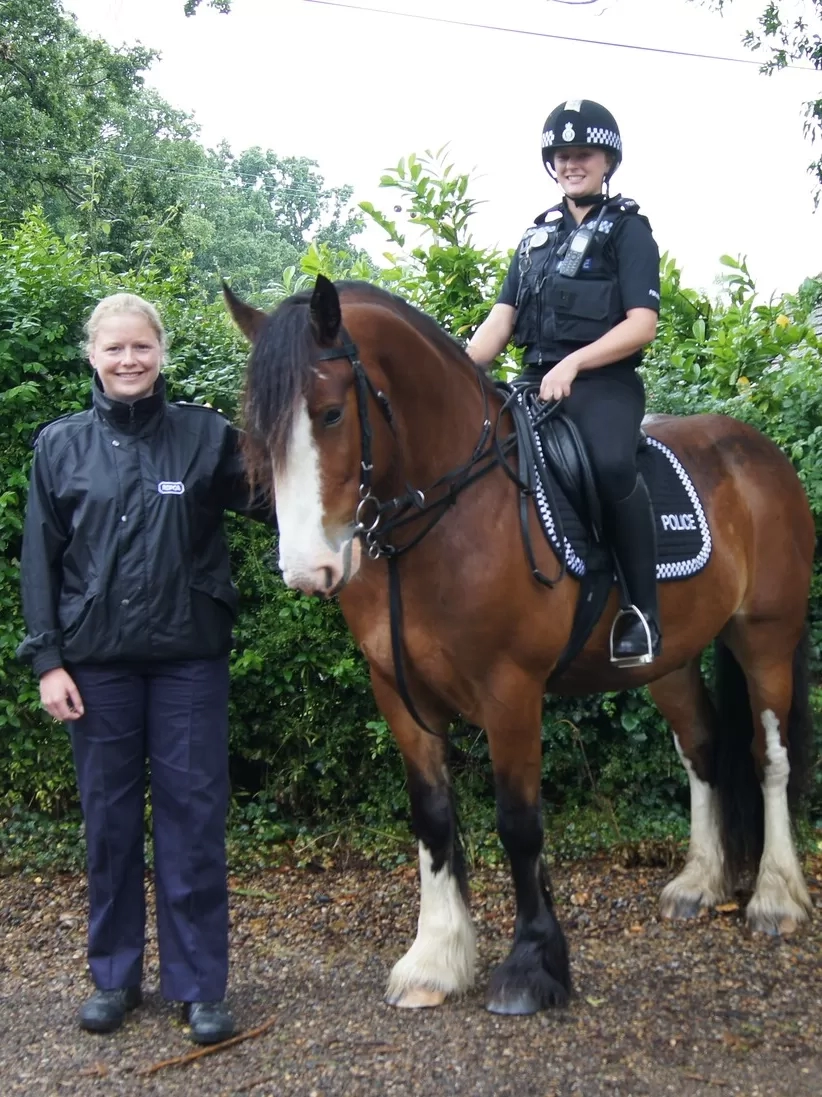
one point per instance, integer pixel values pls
(103, 155)
(309, 749)
(450, 278)
(788, 32)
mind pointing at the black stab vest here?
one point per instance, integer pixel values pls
(556, 313)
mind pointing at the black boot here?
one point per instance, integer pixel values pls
(105, 1010)
(636, 638)
(211, 1022)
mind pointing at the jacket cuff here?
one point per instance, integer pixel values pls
(42, 651)
(46, 660)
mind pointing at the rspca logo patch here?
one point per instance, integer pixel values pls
(171, 487)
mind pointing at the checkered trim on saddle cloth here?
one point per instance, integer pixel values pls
(683, 535)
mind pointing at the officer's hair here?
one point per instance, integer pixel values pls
(116, 305)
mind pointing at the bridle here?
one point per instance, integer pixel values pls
(376, 520)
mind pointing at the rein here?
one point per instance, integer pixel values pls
(375, 520)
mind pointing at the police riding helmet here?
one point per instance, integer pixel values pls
(581, 123)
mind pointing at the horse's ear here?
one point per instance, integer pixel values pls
(326, 316)
(248, 319)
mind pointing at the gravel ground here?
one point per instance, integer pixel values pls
(685, 1009)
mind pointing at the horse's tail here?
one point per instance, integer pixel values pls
(740, 794)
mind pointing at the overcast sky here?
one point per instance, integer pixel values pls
(714, 151)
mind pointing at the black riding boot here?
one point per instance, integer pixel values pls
(632, 532)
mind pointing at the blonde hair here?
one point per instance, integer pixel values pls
(116, 305)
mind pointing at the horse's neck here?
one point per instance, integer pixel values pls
(440, 408)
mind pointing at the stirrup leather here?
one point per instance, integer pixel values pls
(632, 660)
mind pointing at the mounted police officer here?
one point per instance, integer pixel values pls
(582, 298)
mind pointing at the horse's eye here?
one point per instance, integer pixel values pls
(332, 416)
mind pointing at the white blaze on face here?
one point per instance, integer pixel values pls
(312, 558)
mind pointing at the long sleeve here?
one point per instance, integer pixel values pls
(40, 573)
(235, 492)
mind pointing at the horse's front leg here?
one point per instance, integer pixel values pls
(442, 959)
(536, 972)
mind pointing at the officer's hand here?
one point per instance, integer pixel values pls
(59, 695)
(557, 381)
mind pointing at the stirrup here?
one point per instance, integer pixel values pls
(632, 660)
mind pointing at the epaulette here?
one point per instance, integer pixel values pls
(627, 205)
(541, 218)
(43, 426)
(202, 407)
(624, 205)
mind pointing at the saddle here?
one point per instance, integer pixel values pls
(554, 471)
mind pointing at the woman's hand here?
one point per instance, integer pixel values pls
(59, 695)
(557, 381)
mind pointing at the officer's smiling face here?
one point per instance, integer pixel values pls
(580, 171)
(127, 355)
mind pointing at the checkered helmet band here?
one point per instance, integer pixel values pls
(580, 122)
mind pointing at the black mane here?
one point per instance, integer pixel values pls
(280, 364)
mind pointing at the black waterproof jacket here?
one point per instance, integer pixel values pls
(124, 556)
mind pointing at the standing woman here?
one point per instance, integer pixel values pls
(582, 298)
(129, 605)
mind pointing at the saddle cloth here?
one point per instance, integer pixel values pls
(683, 534)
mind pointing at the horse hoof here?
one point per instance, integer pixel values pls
(417, 998)
(774, 927)
(681, 908)
(521, 1003)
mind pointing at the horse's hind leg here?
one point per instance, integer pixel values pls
(777, 689)
(442, 959)
(684, 701)
(535, 974)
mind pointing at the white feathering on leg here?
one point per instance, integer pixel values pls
(703, 881)
(443, 955)
(781, 901)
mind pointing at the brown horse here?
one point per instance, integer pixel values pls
(355, 401)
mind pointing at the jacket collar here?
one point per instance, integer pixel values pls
(136, 416)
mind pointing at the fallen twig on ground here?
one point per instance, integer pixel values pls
(184, 1060)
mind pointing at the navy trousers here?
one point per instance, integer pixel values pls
(175, 716)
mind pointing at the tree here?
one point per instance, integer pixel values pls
(790, 37)
(190, 6)
(58, 92)
(263, 210)
(83, 138)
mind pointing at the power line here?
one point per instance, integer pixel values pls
(226, 175)
(545, 34)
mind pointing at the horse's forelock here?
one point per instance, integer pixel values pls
(276, 378)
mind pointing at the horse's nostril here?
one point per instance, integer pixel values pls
(329, 578)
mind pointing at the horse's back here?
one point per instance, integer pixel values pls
(746, 483)
(719, 446)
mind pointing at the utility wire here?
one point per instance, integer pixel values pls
(226, 175)
(545, 34)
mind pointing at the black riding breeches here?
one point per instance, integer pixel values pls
(607, 411)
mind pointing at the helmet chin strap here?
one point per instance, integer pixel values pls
(595, 199)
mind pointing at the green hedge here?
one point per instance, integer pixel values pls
(308, 748)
